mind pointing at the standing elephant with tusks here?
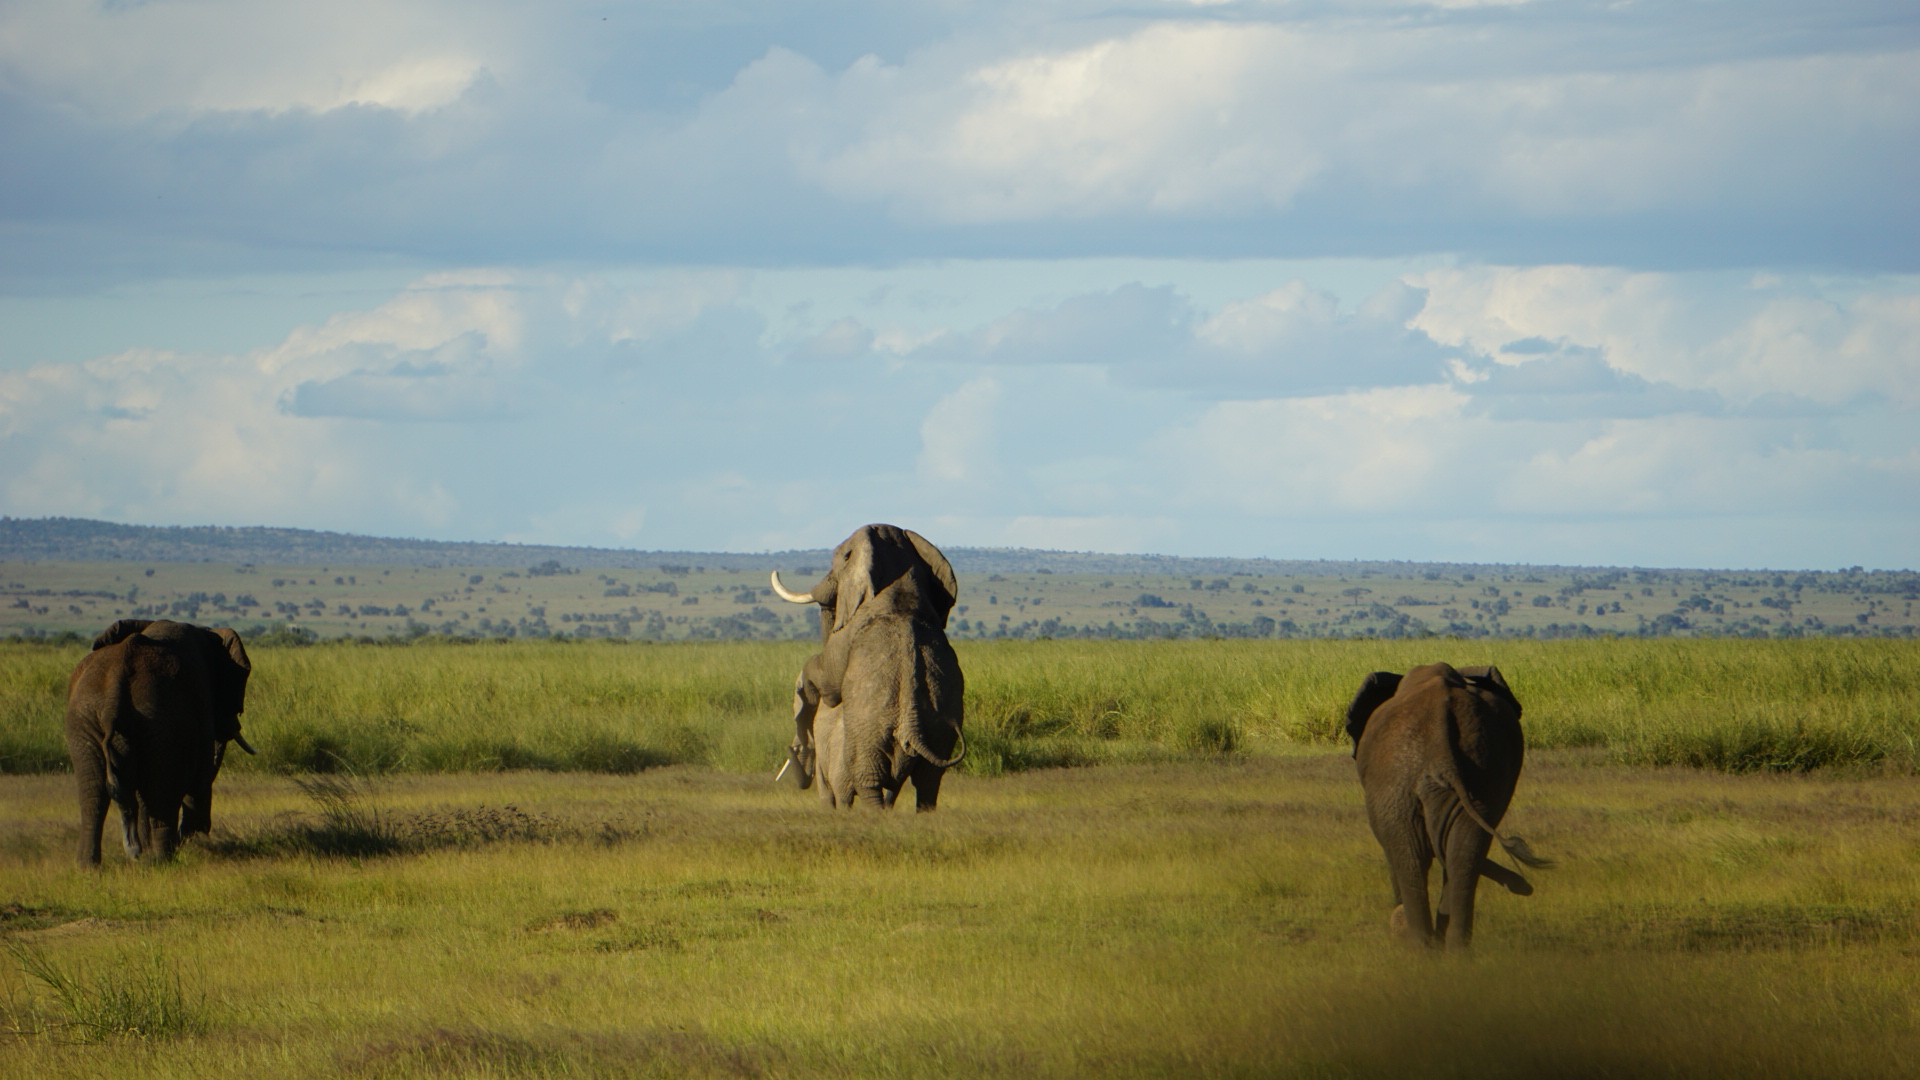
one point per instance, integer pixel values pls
(150, 712)
(880, 704)
(1439, 753)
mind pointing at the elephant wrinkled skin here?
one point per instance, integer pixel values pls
(1439, 753)
(881, 702)
(150, 712)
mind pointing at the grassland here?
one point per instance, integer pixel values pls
(1736, 705)
(563, 858)
(1219, 918)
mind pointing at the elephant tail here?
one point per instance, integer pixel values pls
(1514, 846)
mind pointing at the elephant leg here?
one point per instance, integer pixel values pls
(161, 811)
(90, 783)
(831, 774)
(868, 765)
(873, 796)
(150, 834)
(1466, 850)
(1412, 919)
(136, 818)
(806, 707)
(926, 786)
(124, 782)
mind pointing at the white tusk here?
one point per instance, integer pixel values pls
(783, 770)
(244, 746)
(791, 598)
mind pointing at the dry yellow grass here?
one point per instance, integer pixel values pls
(1218, 918)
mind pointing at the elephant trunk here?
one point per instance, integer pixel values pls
(920, 751)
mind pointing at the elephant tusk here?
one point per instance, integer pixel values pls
(791, 598)
(244, 746)
(783, 770)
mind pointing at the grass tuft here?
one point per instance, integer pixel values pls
(134, 998)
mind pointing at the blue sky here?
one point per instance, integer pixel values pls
(1623, 283)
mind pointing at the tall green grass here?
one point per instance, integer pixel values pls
(1732, 705)
(137, 997)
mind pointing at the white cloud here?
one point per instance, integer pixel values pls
(1705, 332)
(1106, 532)
(137, 60)
(1659, 134)
(1158, 119)
(659, 411)
(957, 437)
(1367, 453)
(1216, 118)
(1694, 466)
(1296, 340)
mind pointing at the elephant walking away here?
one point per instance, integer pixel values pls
(881, 703)
(150, 712)
(1439, 753)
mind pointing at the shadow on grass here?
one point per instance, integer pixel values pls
(395, 747)
(349, 826)
(443, 1052)
(1729, 927)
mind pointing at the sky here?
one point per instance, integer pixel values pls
(1548, 281)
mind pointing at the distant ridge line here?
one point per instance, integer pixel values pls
(62, 539)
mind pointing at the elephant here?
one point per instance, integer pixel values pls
(881, 703)
(1439, 753)
(150, 712)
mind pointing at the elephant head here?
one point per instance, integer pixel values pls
(1378, 688)
(885, 563)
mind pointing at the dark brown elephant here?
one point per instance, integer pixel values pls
(1439, 752)
(881, 703)
(149, 714)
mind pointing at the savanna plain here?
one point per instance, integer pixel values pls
(554, 858)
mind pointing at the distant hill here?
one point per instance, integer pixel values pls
(84, 540)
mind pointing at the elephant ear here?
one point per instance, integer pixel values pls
(231, 669)
(1489, 677)
(120, 631)
(1374, 692)
(948, 590)
(854, 578)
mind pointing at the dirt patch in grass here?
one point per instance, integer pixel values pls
(23, 918)
(575, 920)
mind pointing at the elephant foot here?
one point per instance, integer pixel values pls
(1400, 931)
